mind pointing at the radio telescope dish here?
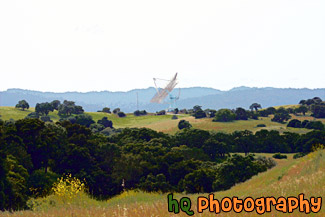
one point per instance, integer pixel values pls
(162, 93)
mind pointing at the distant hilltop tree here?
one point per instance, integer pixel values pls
(116, 110)
(140, 113)
(23, 104)
(106, 110)
(255, 106)
(68, 108)
(121, 114)
(162, 112)
(315, 105)
(44, 108)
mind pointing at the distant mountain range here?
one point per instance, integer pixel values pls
(189, 97)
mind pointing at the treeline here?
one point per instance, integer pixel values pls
(315, 105)
(33, 154)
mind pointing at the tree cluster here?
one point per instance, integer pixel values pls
(316, 106)
(67, 108)
(106, 110)
(192, 160)
(140, 113)
(316, 125)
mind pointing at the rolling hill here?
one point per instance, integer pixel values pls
(164, 123)
(206, 97)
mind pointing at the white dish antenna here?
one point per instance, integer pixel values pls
(162, 93)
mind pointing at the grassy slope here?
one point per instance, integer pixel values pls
(289, 178)
(165, 124)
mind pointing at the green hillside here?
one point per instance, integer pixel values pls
(289, 178)
(164, 123)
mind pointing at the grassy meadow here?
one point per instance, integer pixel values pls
(164, 123)
(289, 178)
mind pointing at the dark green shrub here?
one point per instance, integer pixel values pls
(40, 182)
(162, 112)
(105, 122)
(316, 125)
(32, 115)
(294, 123)
(121, 114)
(84, 119)
(224, 115)
(46, 119)
(299, 155)
(304, 123)
(199, 114)
(260, 125)
(279, 156)
(182, 124)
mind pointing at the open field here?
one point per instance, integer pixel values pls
(164, 123)
(289, 178)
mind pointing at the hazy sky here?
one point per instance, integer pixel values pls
(65, 45)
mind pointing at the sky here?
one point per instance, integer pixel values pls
(77, 45)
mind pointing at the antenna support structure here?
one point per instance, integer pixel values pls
(162, 93)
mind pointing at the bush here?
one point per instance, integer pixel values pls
(68, 187)
(260, 125)
(253, 116)
(116, 111)
(299, 155)
(162, 112)
(318, 111)
(110, 131)
(279, 156)
(96, 127)
(105, 122)
(263, 113)
(46, 119)
(84, 119)
(224, 115)
(121, 114)
(266, 161)
(154, 183)
(140, 113)
(32, 115)
(174, 117)
(294, 123)
(106, 110)
(72, 119)
(40, 182)
(199, 114)
(304, 123)
(182, 124)
(281, 117)
(316, 125)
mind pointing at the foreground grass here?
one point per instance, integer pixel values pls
(289, 178)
